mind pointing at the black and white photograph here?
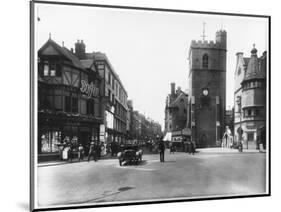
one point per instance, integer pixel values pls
(142, 105)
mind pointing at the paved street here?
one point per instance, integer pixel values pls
(182, 175)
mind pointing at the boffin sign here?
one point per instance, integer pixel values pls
(89, 89)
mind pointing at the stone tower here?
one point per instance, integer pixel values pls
(207, 84)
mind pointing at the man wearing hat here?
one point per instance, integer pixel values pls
(91, 150)
(80, 152)
(161, 150)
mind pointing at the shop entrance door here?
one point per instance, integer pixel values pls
(85, 139)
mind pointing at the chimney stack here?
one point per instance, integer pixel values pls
(80, 49)
(173, 88)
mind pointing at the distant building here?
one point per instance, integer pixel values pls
(129, 118)
(229, 119)
(144, 128)
(250, 97)
(207, 81)
(176, 115)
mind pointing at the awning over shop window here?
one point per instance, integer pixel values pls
(186, 131)
(168, 136)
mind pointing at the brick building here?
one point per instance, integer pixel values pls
(176, 116)
(207, 86)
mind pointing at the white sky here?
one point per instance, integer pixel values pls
(149, 49)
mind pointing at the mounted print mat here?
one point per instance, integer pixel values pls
(143, 105)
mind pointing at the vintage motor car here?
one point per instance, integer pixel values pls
(130, 154)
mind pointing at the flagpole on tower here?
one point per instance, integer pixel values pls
(203, 36)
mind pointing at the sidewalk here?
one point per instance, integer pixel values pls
(213, 150)
(219, 150)
(75, 160)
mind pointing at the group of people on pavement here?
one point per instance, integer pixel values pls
(228, 139)
(187, 146)
(69, 148)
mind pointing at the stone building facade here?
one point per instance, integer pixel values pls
(176, 115)
(207, 86)
(250, 97)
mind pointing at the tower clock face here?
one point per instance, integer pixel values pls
(205, 92)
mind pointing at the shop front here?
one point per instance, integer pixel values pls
(54, 129)
(181, 138)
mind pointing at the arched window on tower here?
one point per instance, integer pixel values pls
(205, 60)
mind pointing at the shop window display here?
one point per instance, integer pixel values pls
(50, 141)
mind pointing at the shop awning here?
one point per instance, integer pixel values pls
(186, 131)
(168, 137)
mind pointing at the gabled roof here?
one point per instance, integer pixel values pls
(87, 63)
(176, 101)
(62, 51)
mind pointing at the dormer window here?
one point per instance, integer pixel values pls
(46, 69)
(52, 69)
(205, 61)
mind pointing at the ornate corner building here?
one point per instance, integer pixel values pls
(250, 97)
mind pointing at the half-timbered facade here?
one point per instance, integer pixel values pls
(68, 99)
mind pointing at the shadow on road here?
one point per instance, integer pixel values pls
(142, 163)
(103, 197)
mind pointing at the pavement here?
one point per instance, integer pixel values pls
(213, 150)
(210, 172)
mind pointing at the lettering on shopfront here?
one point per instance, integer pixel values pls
(89, 89)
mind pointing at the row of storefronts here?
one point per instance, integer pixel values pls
(73, 99)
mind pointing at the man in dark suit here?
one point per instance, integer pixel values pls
(162, 150)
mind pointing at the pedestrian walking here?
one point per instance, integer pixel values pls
(162, 150)
(189, 147)
(70, 151)
(193, 147)
(103, 149)
(172, 148)
(98, 149)
(92, 151)
(80, 152)
(240, 146)
(226, 137)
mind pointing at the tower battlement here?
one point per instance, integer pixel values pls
(219, 43)
(204, 44)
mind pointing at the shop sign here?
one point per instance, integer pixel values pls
(102, 129)
(177, 139)
(102, 138)
(89, 89)
(175, 133)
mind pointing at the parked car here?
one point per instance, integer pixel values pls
(130, 154)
